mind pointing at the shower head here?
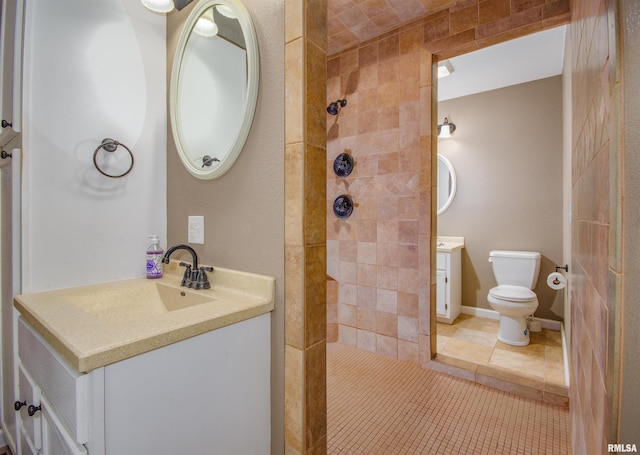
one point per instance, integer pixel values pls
(334, 107)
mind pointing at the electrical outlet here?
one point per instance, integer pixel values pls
(196, 229)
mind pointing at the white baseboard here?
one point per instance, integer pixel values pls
(3, 441)
(492, 314)
(480, 312)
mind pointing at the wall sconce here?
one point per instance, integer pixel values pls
(334, 107)
(164, 6)
(445, 68)
(446, 129)
(205, 25)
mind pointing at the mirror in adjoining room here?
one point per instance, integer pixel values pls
(447, 184)
(214, 87)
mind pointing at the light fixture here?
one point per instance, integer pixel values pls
(446, 129)
(158, 6)
(164, 6)
(334, 107)
(206, 26)
(226, 11)
(445, 68)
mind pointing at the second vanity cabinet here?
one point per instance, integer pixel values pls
(449, 279)
(207, 394)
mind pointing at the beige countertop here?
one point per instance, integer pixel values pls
(96, 325)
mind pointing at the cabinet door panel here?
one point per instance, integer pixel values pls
(65, 388)
(441, 292)
(55, 441)
(25, 445)
(29, 425)
(10, 64)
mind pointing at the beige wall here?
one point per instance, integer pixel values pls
(507, 154)
(244, 209)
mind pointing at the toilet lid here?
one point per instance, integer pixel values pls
(513, 293)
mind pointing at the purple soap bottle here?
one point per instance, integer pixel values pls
(154, 258)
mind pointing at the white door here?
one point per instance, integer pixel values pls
(11, 25)
(9, 283)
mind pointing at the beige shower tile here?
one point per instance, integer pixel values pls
(294, 19)
(387, 324)
(294, 108)
(408, 304)
(408, 351)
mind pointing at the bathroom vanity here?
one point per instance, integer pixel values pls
(448, 278)
(169, 372)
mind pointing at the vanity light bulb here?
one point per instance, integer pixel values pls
(158, 6)
(445, 131)
(206, 26)
(226, 11)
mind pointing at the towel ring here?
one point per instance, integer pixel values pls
(111, 145)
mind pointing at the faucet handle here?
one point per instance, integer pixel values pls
(186, 278)
(201, 281)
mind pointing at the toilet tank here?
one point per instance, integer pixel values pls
(518, 268)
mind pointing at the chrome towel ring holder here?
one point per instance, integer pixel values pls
(111, 145)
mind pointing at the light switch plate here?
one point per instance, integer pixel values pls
(196, 229)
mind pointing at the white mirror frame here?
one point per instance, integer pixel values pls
(253, 71)
(454, 183)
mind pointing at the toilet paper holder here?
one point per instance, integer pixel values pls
(563, 267)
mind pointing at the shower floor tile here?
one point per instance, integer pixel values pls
(380, 405)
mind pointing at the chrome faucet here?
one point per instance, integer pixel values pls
(194, 277)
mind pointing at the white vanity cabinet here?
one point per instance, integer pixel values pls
(207, 394)
(448, 284)
(52, 399)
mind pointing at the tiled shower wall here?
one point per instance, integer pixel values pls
(383, 282)
(596, 268)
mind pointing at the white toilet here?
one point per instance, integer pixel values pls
(516, 273)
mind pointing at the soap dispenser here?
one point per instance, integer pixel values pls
(154, 258)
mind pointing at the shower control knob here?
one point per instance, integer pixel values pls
(31, 410)
(18, 404)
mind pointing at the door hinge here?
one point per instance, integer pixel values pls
(446, 279)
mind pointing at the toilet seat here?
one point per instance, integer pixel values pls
(511, 293)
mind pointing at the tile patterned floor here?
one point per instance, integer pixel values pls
(379, 405)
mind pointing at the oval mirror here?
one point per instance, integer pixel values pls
(214, 87)
(447, 184)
